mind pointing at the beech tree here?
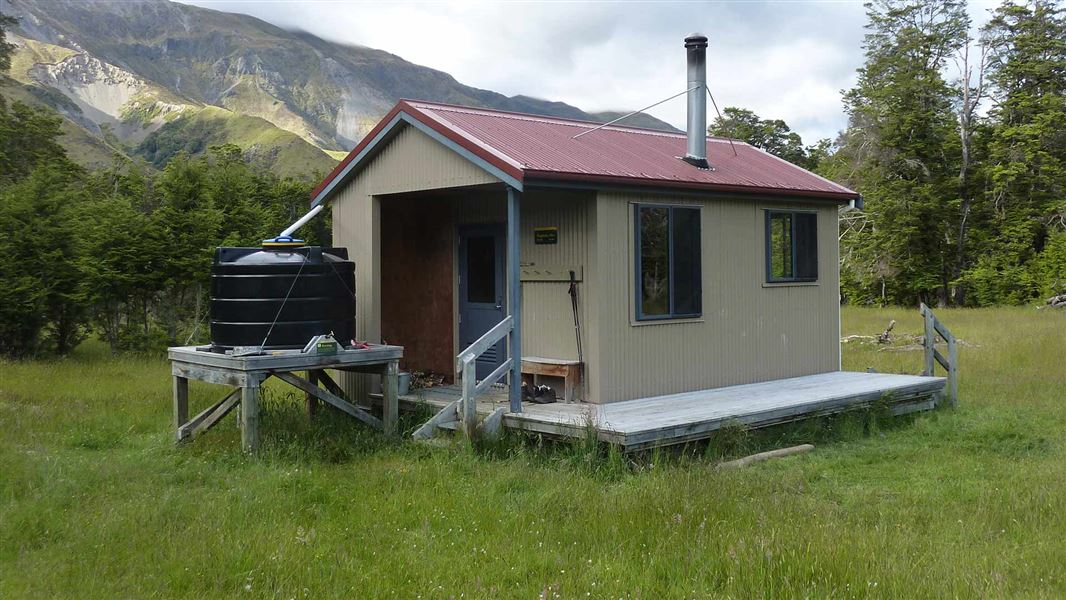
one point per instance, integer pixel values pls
(1026, 146)
(902, 152)
(772, 135)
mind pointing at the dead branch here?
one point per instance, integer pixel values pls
(886, 335)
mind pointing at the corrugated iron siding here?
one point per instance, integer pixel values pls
(749, 332)
(547, 315)
(412, 161)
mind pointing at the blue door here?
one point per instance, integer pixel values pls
(481, 291)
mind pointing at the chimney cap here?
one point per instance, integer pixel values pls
(696, 40)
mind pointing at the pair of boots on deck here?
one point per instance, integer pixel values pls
(538, 394)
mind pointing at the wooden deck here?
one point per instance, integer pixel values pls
(677, 418)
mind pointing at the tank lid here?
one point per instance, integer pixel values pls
(283, 241)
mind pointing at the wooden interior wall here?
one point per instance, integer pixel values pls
(416, 282)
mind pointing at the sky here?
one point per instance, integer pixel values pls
(784, 60)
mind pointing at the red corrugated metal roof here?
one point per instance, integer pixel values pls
(534, 147)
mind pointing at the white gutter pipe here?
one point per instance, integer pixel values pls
(291, 229)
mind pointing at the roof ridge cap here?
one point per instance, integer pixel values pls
(507, 114)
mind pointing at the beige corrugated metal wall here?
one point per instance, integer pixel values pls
(547, 315)
(749, 331)
(412, 161)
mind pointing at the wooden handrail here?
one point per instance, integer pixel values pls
(466, 363)
(483, 343)
(934, 328)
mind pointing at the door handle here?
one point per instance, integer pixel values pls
(499, 307)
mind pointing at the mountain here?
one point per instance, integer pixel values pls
(151, 78)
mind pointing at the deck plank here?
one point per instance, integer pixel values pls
(678, 418)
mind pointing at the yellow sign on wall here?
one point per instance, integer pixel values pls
(545, 235)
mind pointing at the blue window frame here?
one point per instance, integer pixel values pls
(791, 246)
(668, 262)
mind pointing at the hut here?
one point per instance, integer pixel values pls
(660, 284)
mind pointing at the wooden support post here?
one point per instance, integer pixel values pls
(312, 402)
(181, 404)
(250, 414)
(469, 408)
(953, 372)
(930, 340)
(514, 285)
(390, 401)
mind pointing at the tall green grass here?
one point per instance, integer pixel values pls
(97, 502)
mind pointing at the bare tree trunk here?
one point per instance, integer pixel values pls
(971, 98)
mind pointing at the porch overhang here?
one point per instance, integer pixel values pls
(401, 116)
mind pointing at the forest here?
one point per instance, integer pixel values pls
(956, 138)
(122, 253)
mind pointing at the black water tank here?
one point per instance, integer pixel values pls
(249, 287)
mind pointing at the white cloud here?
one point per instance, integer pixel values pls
(786, 60)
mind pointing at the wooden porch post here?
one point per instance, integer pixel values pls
(514, 287)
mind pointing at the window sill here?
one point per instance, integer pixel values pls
(774, 284)
(678, 321)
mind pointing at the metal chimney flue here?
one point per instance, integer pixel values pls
(696, 49)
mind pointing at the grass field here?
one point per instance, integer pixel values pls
(96, 502)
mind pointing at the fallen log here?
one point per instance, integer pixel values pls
(1057, 301)
(857, 338)
(762, 456)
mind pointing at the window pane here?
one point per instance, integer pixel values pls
(780, 246)
(654, 261)
(686, 232)
(481, 269)
(807, 246)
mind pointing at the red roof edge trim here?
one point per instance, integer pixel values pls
(841, 197)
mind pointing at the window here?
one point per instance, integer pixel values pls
(481, 269)
(668, 262)
(791, 246)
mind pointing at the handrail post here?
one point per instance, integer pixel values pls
(953, 372)
(930, 339)
(469, 405)
(514, 283)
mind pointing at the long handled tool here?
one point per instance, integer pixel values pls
(577, 317)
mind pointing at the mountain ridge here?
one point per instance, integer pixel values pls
(148, 75)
